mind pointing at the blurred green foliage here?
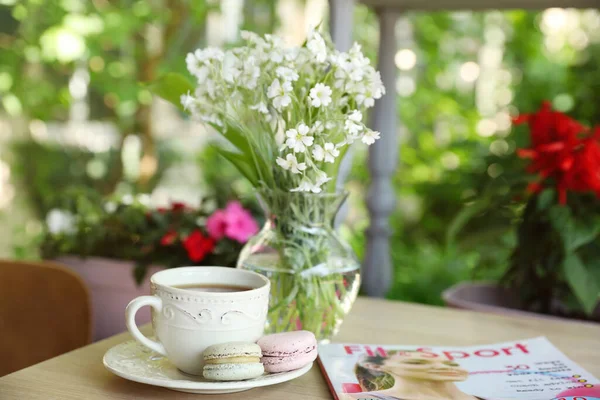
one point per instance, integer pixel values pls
(455, 218)
(122, 43)
(58, 169)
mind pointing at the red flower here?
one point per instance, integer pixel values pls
(168, 238)
(178, 206)
(584, 174)
(554, 136)
(561, 150)
(549, 127)
(198, 246)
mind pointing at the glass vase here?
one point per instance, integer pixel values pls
(315, 275)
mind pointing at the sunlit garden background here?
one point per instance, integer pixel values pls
(78, 122)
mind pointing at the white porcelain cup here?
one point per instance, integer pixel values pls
(187, 321)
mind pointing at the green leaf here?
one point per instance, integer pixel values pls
(235, 137)
(582, 283)
(464, 216)
(171, 87)
(584, 231)
(239, 161)
(545, 199)
(575, 232)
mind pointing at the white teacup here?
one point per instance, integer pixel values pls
(187, 320)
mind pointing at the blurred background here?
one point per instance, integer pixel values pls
(77, 122)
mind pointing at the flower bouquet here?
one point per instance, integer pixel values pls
(288, 115)
(128, 229)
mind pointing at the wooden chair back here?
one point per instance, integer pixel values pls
(44, 312)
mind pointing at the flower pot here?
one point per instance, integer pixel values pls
(491, 298)
(111, 287)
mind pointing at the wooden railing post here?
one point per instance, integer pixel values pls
(381, 200)
(340, 21)
(341, 14)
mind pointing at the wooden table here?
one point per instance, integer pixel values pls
(81, 375)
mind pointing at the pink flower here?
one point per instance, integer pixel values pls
(233, 222)
(240, 223)
(216, 224)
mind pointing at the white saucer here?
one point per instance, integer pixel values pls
(132, 361)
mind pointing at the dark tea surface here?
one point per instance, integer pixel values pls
(199, 287)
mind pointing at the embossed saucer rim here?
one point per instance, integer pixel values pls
(187, 384)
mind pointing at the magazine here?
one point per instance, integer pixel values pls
(528, 369)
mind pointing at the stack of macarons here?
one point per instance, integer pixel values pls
(279, 352)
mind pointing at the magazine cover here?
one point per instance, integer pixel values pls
(529, 369)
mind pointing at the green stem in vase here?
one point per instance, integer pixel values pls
(311, 267)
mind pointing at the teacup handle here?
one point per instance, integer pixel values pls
(131, 310)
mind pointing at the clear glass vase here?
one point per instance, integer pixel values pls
(314, 275)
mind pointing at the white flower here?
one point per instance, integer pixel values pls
(373, 90)
(343, 102)
(209, 87)
(329, 125)
(276, 41)
(369, 137)
(60, 221)
(317, 127)
(321, 179)
(198, 61)
(299, 139)
(110, 207)
(355, 116)
(250, 73)
(304, 186)
(353, 124)
(376, 84)
(280, 138)
(357, 74)
(364, 99)
(211, 119)
(357, 58)
(279, 94)
(328, 152)
(260, 107)
(144, 199)
(339, 59)
(320, 95)
(318, 152)
(251, 37)
(291, 53)
(276, 56)
(317, 47)
(230, 70)
(127, 199)
(307, 186)
(287, 74)
(188, 101)
(340, 78)
(213, 53)
(291, 163)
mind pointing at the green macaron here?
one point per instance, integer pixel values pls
(233, 361)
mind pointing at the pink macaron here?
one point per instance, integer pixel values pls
(287, 351)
